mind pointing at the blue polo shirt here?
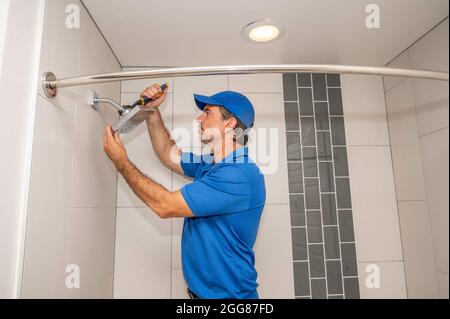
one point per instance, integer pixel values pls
(227, 199)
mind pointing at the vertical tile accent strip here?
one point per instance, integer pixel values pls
(323, 240)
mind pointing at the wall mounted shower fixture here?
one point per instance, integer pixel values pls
(93, 100)
(130, 115)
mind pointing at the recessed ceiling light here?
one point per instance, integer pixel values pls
(264, 30)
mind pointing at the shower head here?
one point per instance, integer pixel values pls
(134, 115)
(132, 118)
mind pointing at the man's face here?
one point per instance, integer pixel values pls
(212, 126)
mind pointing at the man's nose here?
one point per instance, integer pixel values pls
(200, 118)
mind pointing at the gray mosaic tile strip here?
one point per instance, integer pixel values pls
(293, 146)
(301, 279)
(299, 245)
(297, 208)
(304, 79)
(323, 238)
(295, 177)
(334, 277)
(291, 116)
(290, 87)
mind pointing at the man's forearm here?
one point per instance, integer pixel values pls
(159, 135)
(150, 192)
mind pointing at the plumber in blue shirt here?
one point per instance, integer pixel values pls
(222, 207)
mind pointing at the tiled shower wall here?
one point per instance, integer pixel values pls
(323, 241)
(418, 127)
(71, 209)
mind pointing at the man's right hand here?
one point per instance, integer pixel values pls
(154, 92)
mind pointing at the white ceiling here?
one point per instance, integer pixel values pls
(208, 32)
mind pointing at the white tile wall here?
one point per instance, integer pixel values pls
(273, 254)
(256, 83)
(143, 256)
(375, 215)
(418, 123)
(91, 234)
(418, 250)
(436, 159)
(57, 38)
(48, 214)
(364, 110)
(88, 157)
(406, 152)
(135, 86)
(179, 288)
(177, 230)
(374, 201)
(267, 152)
(71, 216)
(391, 280)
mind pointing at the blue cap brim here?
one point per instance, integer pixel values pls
(203, 100)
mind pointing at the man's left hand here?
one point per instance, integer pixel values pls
(114, 148)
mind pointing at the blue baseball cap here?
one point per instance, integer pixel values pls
(234, 102)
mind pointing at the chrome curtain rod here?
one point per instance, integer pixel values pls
(51, 84)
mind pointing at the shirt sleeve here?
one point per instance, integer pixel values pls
(224, 191)
(190, 163)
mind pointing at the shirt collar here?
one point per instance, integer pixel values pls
(240, 152)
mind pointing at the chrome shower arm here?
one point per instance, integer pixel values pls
(93, 100)
(110, 102)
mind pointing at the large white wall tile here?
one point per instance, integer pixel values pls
(90, 246)
(70, 143)
(364, 110)
(50, 188)
(179, 288)
(267, 144)
(391, 281)
(256, 83)
(273, 253)
(374, 204)
(431, 100)
(406, 152)
(435, 159)
(143, 258)
(177, 230)
(141, 153)
(93, 174)
(60, 51)
(418, 250)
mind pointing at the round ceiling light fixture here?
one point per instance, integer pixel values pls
(262, 31)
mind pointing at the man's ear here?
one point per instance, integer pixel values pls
(232, 123)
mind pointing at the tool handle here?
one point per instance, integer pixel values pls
(144, 100)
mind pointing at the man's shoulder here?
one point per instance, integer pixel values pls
(247, 169)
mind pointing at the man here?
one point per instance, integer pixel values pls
(222, 207)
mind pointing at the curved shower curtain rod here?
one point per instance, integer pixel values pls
(51, 84)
